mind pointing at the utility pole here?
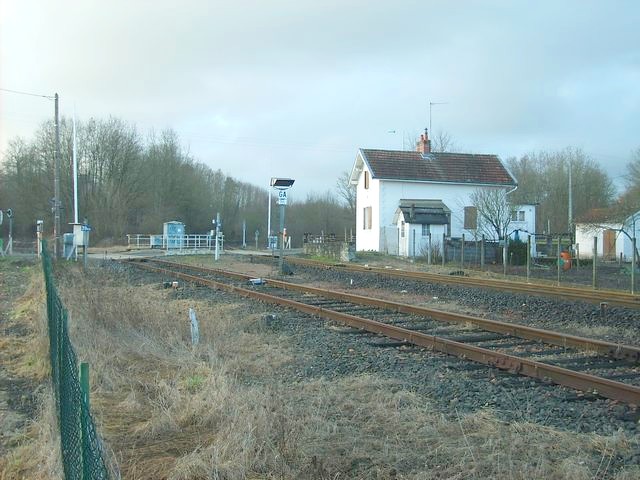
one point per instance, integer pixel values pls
(56, 186)
(570, 206)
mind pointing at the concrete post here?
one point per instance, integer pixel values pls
(594, 281)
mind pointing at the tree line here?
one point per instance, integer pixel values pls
(130, 182)
(543, 180)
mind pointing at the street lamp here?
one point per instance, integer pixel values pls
(282, 185)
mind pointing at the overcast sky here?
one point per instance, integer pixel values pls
(294, 88)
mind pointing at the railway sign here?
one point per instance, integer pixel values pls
(282, 197)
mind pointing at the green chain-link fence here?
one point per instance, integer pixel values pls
(82, 453)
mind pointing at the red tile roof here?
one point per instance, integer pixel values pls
(437, 167)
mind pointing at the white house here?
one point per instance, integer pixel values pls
(402, 194)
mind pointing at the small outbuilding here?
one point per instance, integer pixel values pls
(419, 221)
(173, 234)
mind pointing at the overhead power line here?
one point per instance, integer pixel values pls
(50, 97)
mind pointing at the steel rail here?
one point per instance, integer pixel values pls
(531, 368)
(571, 293)
(614, 350)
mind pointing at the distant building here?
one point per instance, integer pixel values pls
(614, 239)
(402, 196)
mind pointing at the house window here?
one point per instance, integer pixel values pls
(521, 215)
(470, 218)
(366, 180)
(367, 216)
(402, 229)
(426, 229)
(514, 216)
(517, 216)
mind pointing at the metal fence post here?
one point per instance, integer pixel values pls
(281, 257)
(429, 249)
(633, 266)
(577, 256)
(462, 254)
(444, 247)
(414, 242)
(482, 254)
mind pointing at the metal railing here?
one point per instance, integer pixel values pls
(174, 242)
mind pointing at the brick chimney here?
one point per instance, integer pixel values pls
(424, 144)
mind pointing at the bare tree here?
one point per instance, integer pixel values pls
(494, 211)
(543, 178)
(346, 190)
(442, 142)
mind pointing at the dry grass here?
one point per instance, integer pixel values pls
(34, 449)
(35, 453)
(221, 411)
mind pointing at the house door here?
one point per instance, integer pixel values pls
(609, 244)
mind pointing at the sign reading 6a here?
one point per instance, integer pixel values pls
(282, 197)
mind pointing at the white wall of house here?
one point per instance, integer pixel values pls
(383, 196)
(369, 238)
(454, 196)
(586, 232)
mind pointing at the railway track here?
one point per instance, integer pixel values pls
(607, 369)
(568, 293)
